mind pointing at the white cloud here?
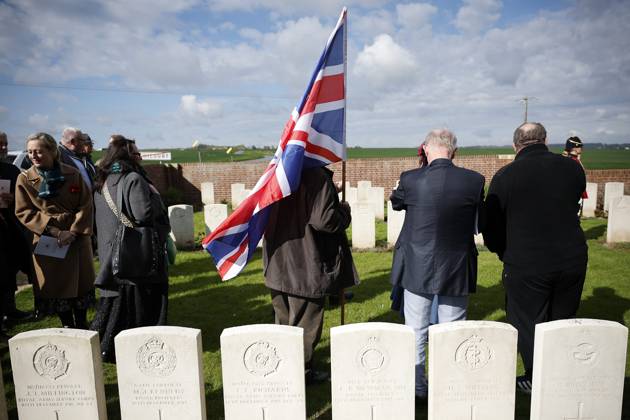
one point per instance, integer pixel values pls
(39, 121)
(478, 15)
(385, 63)
(415, 15)
(192, 107)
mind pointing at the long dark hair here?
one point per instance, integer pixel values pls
(119, 150)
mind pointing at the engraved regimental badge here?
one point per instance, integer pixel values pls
(584, 353)
(156, 358)
(50, 361)
(473, 353)
(261, 358)
(372, 357)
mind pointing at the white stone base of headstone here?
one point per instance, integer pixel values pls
(472, 370)
(160, 373)
(579, 369)
(58, 375)
(395, 221)
(372, 368)
(612, 190)
(363, 227)
(619, 220)
(181, 217)
(263, 372)
(214, 215)
(590, 203)
(236, 194)
(207, 193)
(377, 197)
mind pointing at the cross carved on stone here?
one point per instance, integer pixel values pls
(579, 414)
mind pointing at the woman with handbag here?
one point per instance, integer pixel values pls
(53, 202)
(132, 225)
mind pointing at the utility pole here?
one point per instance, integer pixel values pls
(526, 100)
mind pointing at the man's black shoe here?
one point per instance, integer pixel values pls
(17, 315)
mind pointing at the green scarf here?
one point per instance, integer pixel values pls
(52, 180)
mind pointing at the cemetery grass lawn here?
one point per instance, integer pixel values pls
(199, 299)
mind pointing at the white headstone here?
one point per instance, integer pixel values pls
(590, 203)
(351, 196)
(579, 369)
(263, 372)
(207, 193)
(372, 368)
(395, 221)
(182, 225)
(58, 374)
(160, 373)
(363, 227)
(4, 415)
(214, 215)
(236, 193)
(612, 190)
(472, 370)
(363, 191)
(479, 239)
(619, 220)
(377, 197)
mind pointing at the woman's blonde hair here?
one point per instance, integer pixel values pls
(49, 142)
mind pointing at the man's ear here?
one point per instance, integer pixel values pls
(514, 147)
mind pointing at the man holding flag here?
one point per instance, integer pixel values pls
(295, 204)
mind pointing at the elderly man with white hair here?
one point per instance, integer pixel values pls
(435, 256)
(73, 152)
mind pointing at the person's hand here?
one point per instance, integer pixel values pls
(346, 206)
(65, 237)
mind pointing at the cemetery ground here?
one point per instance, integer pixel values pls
(198, 299)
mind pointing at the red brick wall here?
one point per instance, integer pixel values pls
(188, 177)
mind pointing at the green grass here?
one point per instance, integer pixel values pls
(592, 158)
(199, 299)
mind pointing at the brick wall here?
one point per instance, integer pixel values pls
(187, 177)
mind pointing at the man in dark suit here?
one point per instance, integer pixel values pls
(533, 226)
(435, 254)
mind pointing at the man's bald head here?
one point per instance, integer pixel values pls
(529, 133)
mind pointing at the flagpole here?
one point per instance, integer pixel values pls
(342, 294)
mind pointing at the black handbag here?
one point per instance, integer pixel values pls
(135, 249)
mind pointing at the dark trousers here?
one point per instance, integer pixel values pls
(296, 311)
(536, 298)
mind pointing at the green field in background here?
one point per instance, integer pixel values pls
(592, 158)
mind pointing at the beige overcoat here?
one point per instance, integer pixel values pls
(71, 209)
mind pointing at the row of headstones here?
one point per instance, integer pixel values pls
(366, 203)
(578, 373)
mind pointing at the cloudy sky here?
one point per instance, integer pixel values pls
(168, 72)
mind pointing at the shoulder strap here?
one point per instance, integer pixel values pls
(108, 199)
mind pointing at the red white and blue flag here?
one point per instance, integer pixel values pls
(314, 136)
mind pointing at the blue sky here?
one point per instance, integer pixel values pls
(169, 72)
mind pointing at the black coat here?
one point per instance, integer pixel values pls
(306, 251)
(435, 252)
(532, 210)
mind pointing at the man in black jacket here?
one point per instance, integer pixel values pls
(435, 254)
(306, 256)
(533, 226)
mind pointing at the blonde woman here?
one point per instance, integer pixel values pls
(52, 200)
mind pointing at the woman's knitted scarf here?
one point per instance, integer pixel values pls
(52, 180)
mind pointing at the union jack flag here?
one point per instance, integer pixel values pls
(314, 136)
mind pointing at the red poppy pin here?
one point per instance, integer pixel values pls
(74, 188)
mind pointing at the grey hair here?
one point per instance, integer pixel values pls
(529, 133)
(443, 138)
(69, 133)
